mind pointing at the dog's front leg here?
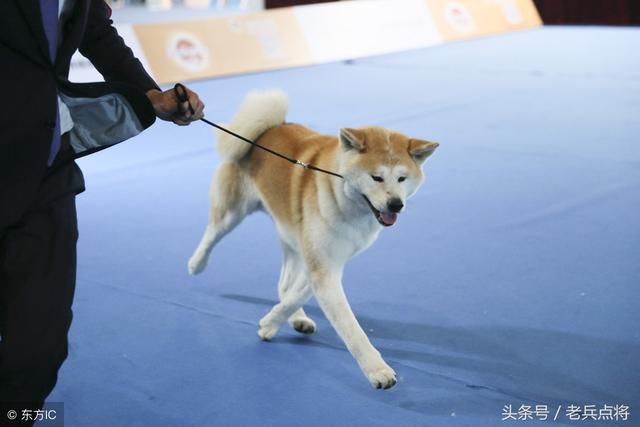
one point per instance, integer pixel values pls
(327, 288)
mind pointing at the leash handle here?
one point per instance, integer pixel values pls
(181, 95)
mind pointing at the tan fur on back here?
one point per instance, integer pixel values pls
(289, 190)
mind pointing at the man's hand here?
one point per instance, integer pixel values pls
(167, 107)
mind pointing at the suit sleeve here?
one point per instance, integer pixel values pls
(107, 51)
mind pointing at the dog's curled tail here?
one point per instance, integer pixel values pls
(259, 112)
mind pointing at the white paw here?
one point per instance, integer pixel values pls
(382, 378)
(304, 325)
(267, 330)
(197, 263)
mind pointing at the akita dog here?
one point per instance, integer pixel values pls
(322, 220)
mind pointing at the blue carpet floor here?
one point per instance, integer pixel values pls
(512, 279)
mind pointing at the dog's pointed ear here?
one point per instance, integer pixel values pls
(352, 139)
(420, 150)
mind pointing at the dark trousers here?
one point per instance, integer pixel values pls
(37, 282)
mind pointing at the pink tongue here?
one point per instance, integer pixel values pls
(389, 218)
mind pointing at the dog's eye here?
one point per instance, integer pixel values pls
(377, 178)
(402, 178)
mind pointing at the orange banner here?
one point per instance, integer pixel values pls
(303, 35)
(458, 19)
(191, 50)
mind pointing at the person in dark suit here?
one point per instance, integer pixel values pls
(46, 122)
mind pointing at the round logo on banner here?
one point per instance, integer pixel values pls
(459, 17)
(188, 52)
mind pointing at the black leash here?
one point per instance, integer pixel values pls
(181, 94)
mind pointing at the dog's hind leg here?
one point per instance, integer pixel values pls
(301, 322)
(293, 300)
(292, 268)
(294, 291)
(231, 201)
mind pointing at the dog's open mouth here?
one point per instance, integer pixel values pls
(386, 219)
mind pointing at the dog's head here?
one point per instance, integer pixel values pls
(382, 169)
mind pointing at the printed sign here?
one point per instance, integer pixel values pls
(186, 50)
(354, 29)
(210, 47)
(457, 19)
(303, 35)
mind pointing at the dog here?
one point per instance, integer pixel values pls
(322, 220)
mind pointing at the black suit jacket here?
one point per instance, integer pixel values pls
(103, 113)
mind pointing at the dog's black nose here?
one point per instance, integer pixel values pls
(395, 205)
